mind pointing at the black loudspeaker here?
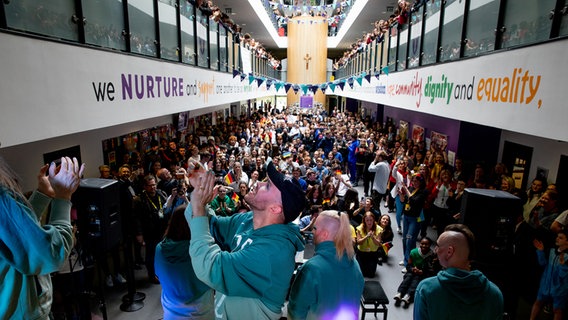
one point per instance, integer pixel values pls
(491, 215)
(98, 213)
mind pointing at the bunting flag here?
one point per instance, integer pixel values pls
(235, 73)
(304, 88)
(387, 246)
(268, 84)
(259, 81)
(287, 87)
(314, 89)
(235, 197)
(243, 76)
(251, 78)
(368, 78)
(341, 84)
(385, 70)
(377, 75)
(359, 80)
(296, 88)
(323, 87)
(332, 87)
(350, 82)
(278, 85)
(229, 178)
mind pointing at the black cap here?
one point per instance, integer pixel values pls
(293, 197)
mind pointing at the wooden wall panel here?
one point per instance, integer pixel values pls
(307, 54)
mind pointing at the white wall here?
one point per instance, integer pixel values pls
(546, 152)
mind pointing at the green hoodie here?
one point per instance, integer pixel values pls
(326, 287)
(30, 252)
(458, 294)
(252, 272)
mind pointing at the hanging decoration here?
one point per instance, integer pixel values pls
(308, 87)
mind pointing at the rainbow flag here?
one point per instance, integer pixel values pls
(338, 172)
(235, 197)
(387, 246)
(229, 178)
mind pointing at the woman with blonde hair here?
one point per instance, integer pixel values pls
(313, 295)
(367, 236)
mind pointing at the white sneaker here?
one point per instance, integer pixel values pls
(398, 296)
(120, 279)
(406, 300)
(404, 270)
(109, 282)
(398, 230)
(401, 263)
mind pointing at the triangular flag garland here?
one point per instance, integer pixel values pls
(296, 88)
(308, 87)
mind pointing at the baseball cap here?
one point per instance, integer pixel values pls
(293, 197)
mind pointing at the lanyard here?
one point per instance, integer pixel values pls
(153, 204)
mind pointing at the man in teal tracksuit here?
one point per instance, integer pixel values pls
(247, 258)
(330, 284)
(457, 292)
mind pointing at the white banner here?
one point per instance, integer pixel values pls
(521, 90)
(49, 89)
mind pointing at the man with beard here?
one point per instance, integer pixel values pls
(151, 221)
(247, 258)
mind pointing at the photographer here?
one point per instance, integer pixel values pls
(177, 198)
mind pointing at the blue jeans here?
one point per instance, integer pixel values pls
(411, 229)
(399, 206)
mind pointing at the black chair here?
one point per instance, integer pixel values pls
(374, 299)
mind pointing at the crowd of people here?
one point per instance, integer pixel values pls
(208, 8)
(400, 17)
(333, 13)
(328, 156)
(243, 185)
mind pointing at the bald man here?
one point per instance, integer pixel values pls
(330, 284)
(457, 292)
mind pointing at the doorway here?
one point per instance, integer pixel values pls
(517, 159)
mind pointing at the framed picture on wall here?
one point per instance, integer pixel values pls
(403, 130)
(439, 141)
(417, 133)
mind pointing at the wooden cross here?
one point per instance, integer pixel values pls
(307, 58)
